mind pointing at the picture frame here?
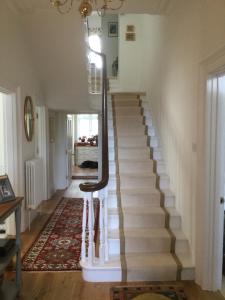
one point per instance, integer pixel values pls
(130, 28)
(113, 29)
(6, 190)
(130, 36)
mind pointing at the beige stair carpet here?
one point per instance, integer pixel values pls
(146, 242)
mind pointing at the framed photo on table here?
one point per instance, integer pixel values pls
(6, 191)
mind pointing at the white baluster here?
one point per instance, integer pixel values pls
(106, 223)
(101, 228)
(91, 246)
(84, 225)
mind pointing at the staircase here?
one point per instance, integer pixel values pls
(145, 233)
(140, 234)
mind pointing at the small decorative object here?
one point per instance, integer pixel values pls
(130, 28)
(28, 118)
(113, 29)
(6, 191)
(83, 139)
(130, 37)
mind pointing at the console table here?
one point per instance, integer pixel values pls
(11, 289)
(83, 153)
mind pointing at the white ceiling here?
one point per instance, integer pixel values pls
(130, 6)
(58, 47)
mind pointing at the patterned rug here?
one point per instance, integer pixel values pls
(58, 247)
(151, 292)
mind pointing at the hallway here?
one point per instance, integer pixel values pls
(70, 285)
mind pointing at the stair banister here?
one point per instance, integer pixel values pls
(101, 186)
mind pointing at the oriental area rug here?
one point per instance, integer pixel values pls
(148, 292)
(58, 246)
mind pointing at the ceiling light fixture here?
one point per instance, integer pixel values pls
(87, 6)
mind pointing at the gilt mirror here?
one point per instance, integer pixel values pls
(28, 118)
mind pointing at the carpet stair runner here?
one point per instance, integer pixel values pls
(150, 241)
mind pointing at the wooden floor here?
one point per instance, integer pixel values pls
(70, 285)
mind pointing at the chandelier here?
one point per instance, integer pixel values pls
(86, 6)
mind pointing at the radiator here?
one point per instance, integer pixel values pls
(34, 183)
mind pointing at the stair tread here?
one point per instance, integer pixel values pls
(141, 191)
(140, 233)
(148, 260)
(143, 210)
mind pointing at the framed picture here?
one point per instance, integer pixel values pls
(130, 36)
(113, 29)
(130, 28)
(6, 191)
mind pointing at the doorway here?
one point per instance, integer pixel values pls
(9, 148)
(84, 138)
(216, 173)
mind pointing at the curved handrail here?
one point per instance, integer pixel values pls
(92, 186)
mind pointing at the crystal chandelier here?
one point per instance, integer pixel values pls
(86, 6)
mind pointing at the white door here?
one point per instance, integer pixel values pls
(9, 145)
(216, 174)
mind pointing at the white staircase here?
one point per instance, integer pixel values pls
(144, 237)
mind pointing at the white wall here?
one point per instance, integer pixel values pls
(60, 157)
(109, 44)
(17, 71)
(193, 31)
(139, 60)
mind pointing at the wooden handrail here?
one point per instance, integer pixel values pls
(92, 186)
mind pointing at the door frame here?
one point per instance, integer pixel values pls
(209, 227)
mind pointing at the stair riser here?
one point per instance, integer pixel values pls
(161, 167)
(151, 131)
(111, 143)
(112, 168)
(133, 121)
(164, 183)
(112, 184)
(127, 103)
(169, 201)
(182, 246)
(126, 183)
(188, 274)
(111, 155)
(141, 221)
(131, 132)
(131, 111)
(112, 201)
(129, 154)
(136, 167)
(140, 245)
(157, 155)
(175, 222)
(154, 142)
(132, 142)
(153, 274)
(113, 222)
(140, 201)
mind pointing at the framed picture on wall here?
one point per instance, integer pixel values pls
(6, 191)
(113, 29)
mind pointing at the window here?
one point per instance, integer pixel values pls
(87, 125)
(95, 44)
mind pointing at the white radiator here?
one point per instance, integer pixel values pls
(34, 183)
